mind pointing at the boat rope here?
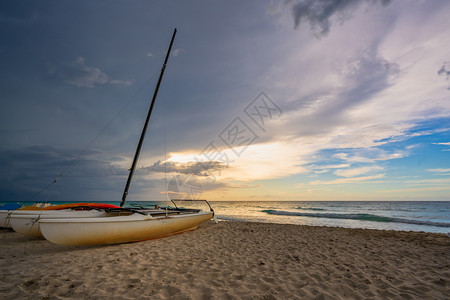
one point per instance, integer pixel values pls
(165, 152)
(77, 157)
(8, 218)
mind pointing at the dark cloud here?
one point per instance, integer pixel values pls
(366, 76)
(183, 186)
(192, 168)
(212, 185)
(17, 13)
(27, 171)
(319, 13)
(445, 71)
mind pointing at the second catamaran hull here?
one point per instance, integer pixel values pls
(121, 229)
(26, 221)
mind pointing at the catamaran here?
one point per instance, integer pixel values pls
(25, 220)
(5, 212)
(123, 225)
(7, 209)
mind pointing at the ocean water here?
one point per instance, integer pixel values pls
(424, 216)
(427, 216)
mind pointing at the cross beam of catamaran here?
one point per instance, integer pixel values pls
(99, 223)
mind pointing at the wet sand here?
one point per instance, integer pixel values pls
(233, 260)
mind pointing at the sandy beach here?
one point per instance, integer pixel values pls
(233, 260)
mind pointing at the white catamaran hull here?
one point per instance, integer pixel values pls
(119, 229)
(26, 222)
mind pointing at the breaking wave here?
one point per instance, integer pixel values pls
(310, 208)
(359, 217)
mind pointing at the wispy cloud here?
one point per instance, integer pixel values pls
(439, 171)
(81, 75)
(420, 189)
(337, 166)
(177, 51)
(445, 144)
(120, 82)
(150, 54)
(339, 109)
(321, 171)
(371, 155)
(326, 168)
(357, 171)
(347, 180)
(440, 181)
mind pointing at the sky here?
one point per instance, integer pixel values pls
(261, 100)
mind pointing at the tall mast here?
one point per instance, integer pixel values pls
(144, 130)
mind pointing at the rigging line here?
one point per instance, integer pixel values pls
(96, 137)
(109, 123)
(165, 152)
(138, 164)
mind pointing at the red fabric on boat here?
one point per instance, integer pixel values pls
(72, 205)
